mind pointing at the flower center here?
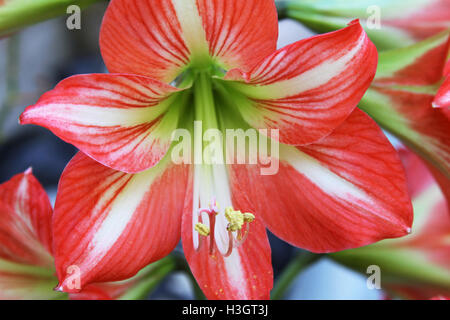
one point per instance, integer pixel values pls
(237, 228)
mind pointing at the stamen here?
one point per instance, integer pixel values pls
(248, 217)
(202, 229)
(235, 219)
(238, 227)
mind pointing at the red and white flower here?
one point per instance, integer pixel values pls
(122, 203)
(27, 268)
(416, 266)
(401, 97)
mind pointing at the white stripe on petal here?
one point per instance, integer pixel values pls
(120, 212)
(192, 27)
(311, 79)
(326, 180)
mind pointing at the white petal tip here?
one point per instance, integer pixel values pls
(59, 289)
(29, 170)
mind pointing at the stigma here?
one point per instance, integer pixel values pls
(237, 228)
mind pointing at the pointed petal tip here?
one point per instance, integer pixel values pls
(58, 288)
(25, 117)
(22, 119)
(65, 285)
(29, 171)
(353, 22)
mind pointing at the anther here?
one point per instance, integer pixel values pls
(202, 229)
(235, 219)
(248, 217)
(238, 227)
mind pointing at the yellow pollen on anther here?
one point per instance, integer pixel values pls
(248, 217)
(235, 219)
(202, 229)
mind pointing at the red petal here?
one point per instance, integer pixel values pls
(420, 175)
(345, 191)
(432, 237)
(103, 291)
(401, 99)
(92, 292)
(425, 63)
(442, 98)
(160, 38)
(240, 33)
(427, 129)
(119, 120)
(429, 20)
(25, 221)
(310, 87)
(110, 224)
(245, 274)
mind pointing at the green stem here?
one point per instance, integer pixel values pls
(12, 80)
(204, 100)
(295, 267)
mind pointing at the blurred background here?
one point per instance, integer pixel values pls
(34, 60)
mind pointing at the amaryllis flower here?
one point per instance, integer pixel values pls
(401, 100)
(27, 268)
(416, 266)
(389, 23)
(123, 203)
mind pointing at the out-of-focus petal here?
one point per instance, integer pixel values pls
(25, 221)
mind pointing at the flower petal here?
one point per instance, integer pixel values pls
(310, 87)
(247, 272)
(345, 191)
(111, 224)
(401, 98)
(160, 38)
(421, 176)
(122, 121)
(418, 65)
(410, 117)
(389, 24)
(428, 18)
(25, 221)
(442, 98)
(245, 275)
